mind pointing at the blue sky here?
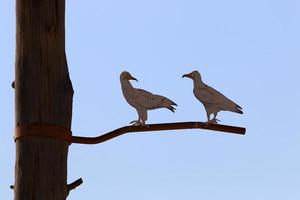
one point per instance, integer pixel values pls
(248, 50)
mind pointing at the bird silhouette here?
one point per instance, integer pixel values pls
(142, 100)
(212, 100)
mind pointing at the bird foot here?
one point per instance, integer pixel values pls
(215, 121)
(135, 121)
(145, 125)
(212, 121)
(140, 124)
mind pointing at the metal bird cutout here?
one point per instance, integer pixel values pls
(212, 100)
(142, 100)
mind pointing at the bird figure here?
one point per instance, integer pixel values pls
(212, 100)
(142, 100)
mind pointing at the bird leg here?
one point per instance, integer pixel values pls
(142, 118)
(214, 120)
(138, 121)
(208, 119)
(143, 122)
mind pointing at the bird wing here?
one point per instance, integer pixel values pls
(208, 94)
(146, 99)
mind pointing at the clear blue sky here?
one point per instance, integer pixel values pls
(249, 50)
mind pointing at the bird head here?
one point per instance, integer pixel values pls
(127, 76)
(192, 75)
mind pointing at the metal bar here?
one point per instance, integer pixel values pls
(158, 127)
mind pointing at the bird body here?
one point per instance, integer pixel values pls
(212, 100)
(142, 100)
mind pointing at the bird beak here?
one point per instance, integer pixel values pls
(187, 75)
(132, 78)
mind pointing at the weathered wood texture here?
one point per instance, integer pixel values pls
(43, 94)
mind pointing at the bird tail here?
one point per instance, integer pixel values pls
(238, 109)
(231, 106)
(172, 108)
(169, 104)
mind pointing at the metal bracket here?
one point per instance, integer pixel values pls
(43, 130)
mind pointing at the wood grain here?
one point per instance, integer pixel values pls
(43, 94)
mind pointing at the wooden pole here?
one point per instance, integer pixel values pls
(43, 97)
(43, 94)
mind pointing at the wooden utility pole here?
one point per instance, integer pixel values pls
(43, 96)
(43, 99)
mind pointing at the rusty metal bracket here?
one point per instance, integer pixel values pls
(158, 127)
(74, 185)
(43, 130)
(63, 133)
